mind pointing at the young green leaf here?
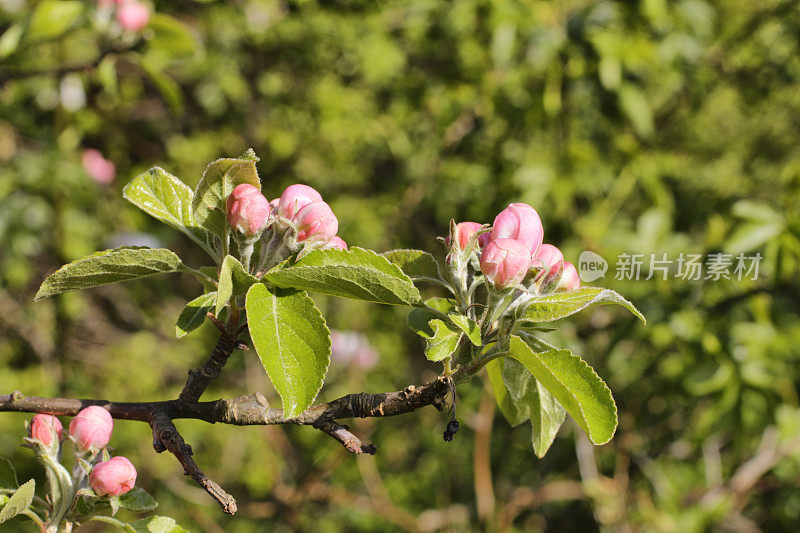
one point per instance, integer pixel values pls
(354, 273)
(575, 385)
(18, 502)
(415, 263)
(194, 314)
(137, 499)
(444, 341)
(470, 328)
(562, 304)
(233, 280)
(109, 266)
(292, 341)
(217, 183)
(166, 198)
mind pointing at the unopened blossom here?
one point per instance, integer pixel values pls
(522, 223)
(44, 427)
(316, 222)
(294, 198)
(548, 255)
(569, 279)
(505, 262)
(91, 428)
(113, 477)
(247, 210)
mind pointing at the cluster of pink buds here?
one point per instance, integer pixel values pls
(90, 430)
(298, 221)
(513, 248)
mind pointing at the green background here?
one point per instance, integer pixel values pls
(632, 127)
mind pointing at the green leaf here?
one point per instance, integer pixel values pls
(470, 328)
(575, 385)
(515, 412)
(418, 319)
(109, 266)
(52, 18)
(137, 499)
(562, 304)
(8, 475)
(354, 273)
(194, 314)
(292, 341)
(415, 263)
(444, 341)
(166, 198)
(217, 183)
(547, 416)
(233, 280)
(157, 524)
(18, 502)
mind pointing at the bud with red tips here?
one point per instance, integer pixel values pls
(505, 262)
(570, 279)
(248, 210)
(315, 222)
(294, 198)
(113, 477)
(46, 429)
(522, 223)
(91, 428)
(463, 233)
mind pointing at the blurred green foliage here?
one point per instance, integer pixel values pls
(636, 127)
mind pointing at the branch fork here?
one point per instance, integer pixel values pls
(243, 410)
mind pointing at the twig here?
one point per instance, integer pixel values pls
(342, 433)
(168, 437)
(200, 378)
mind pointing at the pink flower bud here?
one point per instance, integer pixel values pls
(484, 239)
(520, 222)
(294, 198)
(248, 210)
(92, 428)
(99, 168)
(337, 243)
(549, 255)
(569, 279)
(113, 477)
(44, 426)
(316, 222)
(505, 262)
(464, 231)
(133, 16)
